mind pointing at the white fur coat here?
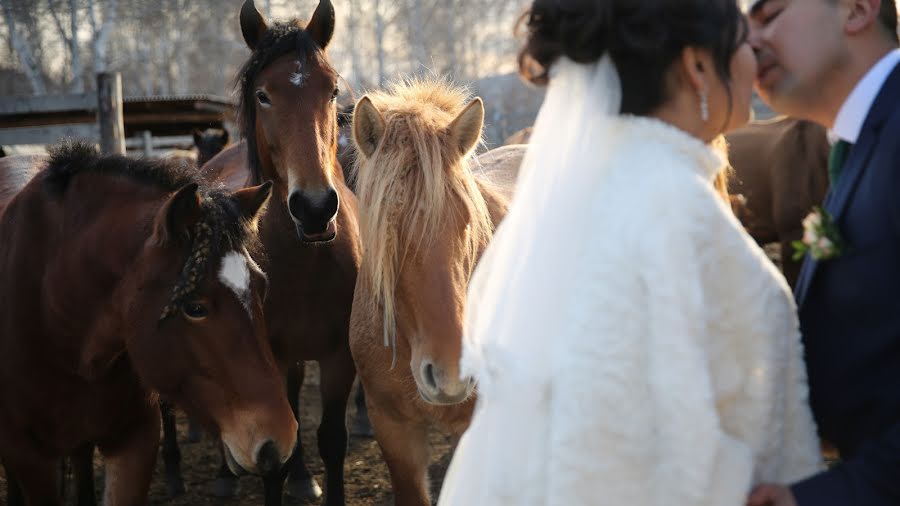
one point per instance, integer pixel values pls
(675, 374)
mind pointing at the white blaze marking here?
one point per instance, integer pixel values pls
(235, 275)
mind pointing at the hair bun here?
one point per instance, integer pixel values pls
(554, 30)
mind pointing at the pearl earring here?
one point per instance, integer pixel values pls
(704, 106)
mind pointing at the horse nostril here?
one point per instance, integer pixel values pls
(295, 206)
(330, 206)
(428, 376)
(267, 459)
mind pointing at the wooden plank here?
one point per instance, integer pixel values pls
(169, 141)
(47, 103)
(109, 113)
(48, 134)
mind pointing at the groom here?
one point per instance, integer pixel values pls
(836, 62)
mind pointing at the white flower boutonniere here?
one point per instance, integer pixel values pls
(821, 237)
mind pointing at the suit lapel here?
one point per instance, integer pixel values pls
(857, 160)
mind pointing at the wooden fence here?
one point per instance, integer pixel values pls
(42, 120)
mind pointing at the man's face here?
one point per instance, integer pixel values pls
(798, 44)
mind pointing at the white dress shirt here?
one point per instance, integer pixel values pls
(852, 115)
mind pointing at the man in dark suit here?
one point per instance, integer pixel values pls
(836, 62)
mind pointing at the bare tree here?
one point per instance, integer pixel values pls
(70, 41)
(21, 46)
(101, 31)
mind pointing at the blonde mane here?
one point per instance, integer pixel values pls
(413, 180)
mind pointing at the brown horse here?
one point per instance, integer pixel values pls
(309, 232)
(209, 143)
(124, 280)
(781, 169)
(425, 219)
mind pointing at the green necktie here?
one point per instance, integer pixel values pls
(836, 160)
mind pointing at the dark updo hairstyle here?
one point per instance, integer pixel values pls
(643, 37)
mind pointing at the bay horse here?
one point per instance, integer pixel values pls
(781, 169)
(424, 221)
(309, 232)
(209, 143)
(124, 281)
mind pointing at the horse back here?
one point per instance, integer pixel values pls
(498, 168)
(230, 167)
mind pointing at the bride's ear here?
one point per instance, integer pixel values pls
(697, 67)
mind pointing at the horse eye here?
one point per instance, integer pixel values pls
(334, 94)
(195, 311)
(263, 98)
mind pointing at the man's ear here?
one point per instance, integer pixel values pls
(862, 15)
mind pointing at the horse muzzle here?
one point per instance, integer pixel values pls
(314, 214)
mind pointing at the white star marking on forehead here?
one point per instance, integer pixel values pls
(298, 77)
(235, 275)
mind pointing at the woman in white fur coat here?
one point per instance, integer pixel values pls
(632, 345)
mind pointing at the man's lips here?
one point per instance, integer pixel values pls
(765, 70)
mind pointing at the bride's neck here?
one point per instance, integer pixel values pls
(683, 111)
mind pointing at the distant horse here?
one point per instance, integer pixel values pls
(346, 149)
(781, 168)
(309, 232)
(425, 220)
(124, 280)
(209, 143)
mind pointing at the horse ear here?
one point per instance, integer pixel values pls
(466, 127)
(252, 200)
(198, 137)
(253, 24)
(321, 25)
(368, 126)
(177, 215)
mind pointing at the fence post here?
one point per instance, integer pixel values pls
(109, 113)
(148, 143)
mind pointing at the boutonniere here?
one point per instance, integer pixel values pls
(821, 237)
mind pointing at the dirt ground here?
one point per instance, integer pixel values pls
(367, 480)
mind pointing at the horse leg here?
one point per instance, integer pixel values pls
(170, 452)
(361, 426)
(195, 433)
(225, 485)
(130, 463)
(300, 482)
(406, 452)
(336, 375)
(14, 495)
(32, 480)
(83, 464)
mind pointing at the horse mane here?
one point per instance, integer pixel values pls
(412, 181)
(225, 228)
(280, 39)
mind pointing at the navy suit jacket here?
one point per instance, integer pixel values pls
(850, 318)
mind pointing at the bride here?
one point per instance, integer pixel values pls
(632, 345)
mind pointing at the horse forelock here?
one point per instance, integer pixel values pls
(221, 228)
(279, 40)
(412, 184)
(222, 231)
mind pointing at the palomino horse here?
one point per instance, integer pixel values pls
(309, 232)
(425, 219)
(781, 168)
(123, 280)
